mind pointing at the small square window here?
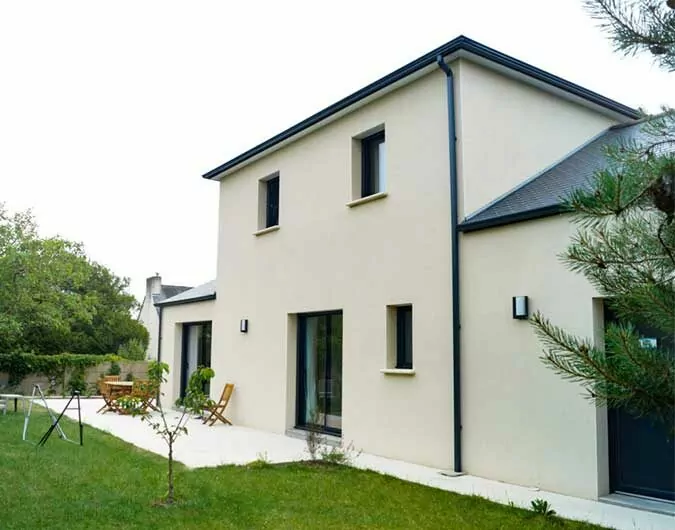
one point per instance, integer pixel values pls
(404, 352)
(373, 164)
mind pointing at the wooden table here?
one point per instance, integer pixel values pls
(120, 388)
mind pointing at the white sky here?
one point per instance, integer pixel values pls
(111, 111)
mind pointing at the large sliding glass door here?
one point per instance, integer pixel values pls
(196, 352)
(320, 371)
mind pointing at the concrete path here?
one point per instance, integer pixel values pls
(212, 446)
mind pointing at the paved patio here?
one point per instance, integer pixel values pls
(212, 446)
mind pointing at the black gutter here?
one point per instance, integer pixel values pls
(186, 300)
(502, 220)
(455, 45)
(454, 249)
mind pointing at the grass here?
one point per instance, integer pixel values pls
(109, 484)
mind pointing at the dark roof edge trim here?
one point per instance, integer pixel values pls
(460, 43)
(186, 300)
(546, 211)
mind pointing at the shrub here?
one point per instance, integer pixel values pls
(19, 365)
(115, 368)
(132, 350)
(77, 382)
(542, 507)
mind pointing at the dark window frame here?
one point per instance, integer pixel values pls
(404, 346)
(300, 408)
(204, 339)
(370, 146)
(272, 201)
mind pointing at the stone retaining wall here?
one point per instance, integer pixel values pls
(137, 369)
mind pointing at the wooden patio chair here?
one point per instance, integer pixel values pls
(146, 391)
(217, 411)
(107, 395)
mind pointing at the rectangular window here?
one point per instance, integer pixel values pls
(373, 164)
(319, 390)
(272, 202)
(404, 359)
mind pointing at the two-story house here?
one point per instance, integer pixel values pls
(372, 266)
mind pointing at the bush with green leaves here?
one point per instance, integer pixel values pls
(114, 369)
(542, 507)
(55, 367)
(133, 350)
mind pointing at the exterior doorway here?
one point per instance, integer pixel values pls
(196, 352)
(319, 391)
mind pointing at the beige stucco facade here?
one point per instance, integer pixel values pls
(521, 422)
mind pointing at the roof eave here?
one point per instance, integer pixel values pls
(455, 45)
(186, 301)
(538, 213)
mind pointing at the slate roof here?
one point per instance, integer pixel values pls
(169, 291)
(206, 291)
(541, 195)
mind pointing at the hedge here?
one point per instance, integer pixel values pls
(19, 365)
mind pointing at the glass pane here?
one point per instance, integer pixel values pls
(320, 372)
(334, 376)
(408, 337)
(310, 371)
(382, 167)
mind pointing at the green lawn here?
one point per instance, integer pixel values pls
(111, 484)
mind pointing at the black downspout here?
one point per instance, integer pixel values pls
(454, 247)
(159, 348)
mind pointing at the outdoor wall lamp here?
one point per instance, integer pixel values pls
(243, 325)
(520, 309)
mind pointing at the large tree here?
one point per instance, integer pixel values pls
(625, 244)
(54, 299)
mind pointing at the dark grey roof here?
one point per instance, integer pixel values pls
(458, 44)
(169, 291)
(542, 194)
(206, 291)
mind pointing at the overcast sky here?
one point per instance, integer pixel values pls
(111, 111)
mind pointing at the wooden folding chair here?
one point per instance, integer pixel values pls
(217, 410)
(146, 391)
(107, 394)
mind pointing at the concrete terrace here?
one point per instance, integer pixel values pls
(219, 445)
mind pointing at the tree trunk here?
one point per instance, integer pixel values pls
(169, 495)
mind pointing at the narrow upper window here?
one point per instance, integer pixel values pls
(272, 202)
(373, 166)
(404, 351)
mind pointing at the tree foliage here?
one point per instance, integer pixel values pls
(625, 246)
(636, 26)
(54, 299)
(169, 427)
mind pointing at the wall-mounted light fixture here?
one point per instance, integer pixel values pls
(243, 325)
(520, 309)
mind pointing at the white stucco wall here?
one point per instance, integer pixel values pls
(327, 256)
(522, 423)
(173, 318)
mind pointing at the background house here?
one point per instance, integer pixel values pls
(148, 314)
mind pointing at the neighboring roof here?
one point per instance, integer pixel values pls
(169, 291)
(541, 195)
(456, 45)
(206, 291)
